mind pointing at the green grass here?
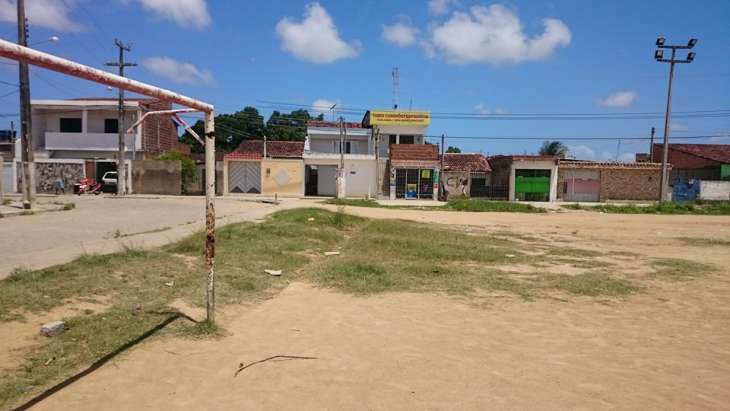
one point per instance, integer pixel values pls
(704, 242)
(68, 206)
(679, 269)
(699, 208)
(594, 285)
(459, 204)
(475, 205)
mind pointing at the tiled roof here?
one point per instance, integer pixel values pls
(525, 157)
(466, 162)
(606, 164)
(414, 152)
(331, 124)
(714, 152)
(254, 149)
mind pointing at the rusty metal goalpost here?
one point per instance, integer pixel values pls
(48, 61)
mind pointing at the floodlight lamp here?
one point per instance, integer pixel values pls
(691, 56)
(659, 54)
(660, 41)
(692, 43)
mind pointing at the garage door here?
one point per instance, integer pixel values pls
(582, 185)
(244, 177)
(7, 176)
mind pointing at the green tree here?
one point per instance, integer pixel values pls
(453, 149)
(554, 148)
(188, 169)
(290, 127)
(230, 130)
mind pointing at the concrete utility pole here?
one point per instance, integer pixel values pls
(26, 134)
(651, 146)
(377, 161)
(121, 164)
(442, 188)
(659, 56)
(341, 169)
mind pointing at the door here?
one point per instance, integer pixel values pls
(532, 185)
(244, 177)
(7, 176)
(582, 186)
(327, 181)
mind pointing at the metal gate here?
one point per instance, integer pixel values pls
(582, 185)
(7, 176)
(244, 177)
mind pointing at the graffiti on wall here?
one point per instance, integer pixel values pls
(456, 184)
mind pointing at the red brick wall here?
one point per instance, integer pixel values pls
(158, 133)
(681, 160)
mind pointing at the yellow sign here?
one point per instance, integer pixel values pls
(409, 118)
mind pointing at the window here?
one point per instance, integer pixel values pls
(111, 125)
(348, 147)
(406, 139)
(391, 140)
(70, 125)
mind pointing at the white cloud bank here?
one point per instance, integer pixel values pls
(494, 34)
(583, 152)
(402, 34)
(186, 13)
(619, 99)
(482, 109)
(440, 7)
(315, 38)
(50, 14)
(178, 72)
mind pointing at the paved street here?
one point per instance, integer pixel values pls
(108, 224)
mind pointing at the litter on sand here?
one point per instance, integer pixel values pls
(510, 256)
(273, 272)
(328, 253)
(310, 219)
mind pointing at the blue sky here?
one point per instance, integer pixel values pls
(571, 56)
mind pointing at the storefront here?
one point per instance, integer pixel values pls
(414, 172)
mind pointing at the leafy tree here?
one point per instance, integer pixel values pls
(453, 149)
(230, 130)
(554, 148)
(291, 127)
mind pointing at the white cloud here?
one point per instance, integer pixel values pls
(50, 14)
(678, 127)
(178, 72)
(495, 35)
(322, 106)
(618, 99)
(581, 152)
(186, 13)
(401, 34)
(315, 38)
(440, 7)
(482, 109)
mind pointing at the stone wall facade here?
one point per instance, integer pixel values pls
(46, 174)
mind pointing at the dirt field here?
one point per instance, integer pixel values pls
(665, 348)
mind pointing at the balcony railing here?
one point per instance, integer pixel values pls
(87, 141)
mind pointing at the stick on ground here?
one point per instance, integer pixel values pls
(243, 366)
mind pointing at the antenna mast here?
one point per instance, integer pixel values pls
(396, 87)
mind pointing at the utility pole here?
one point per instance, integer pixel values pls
(121, 164)
(341, 171)
(651, 146)
(442, 188)
(659, 56)
(28, 165)
(377, 161)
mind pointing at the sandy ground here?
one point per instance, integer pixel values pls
(106, 224)
(668, 348)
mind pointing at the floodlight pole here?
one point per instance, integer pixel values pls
(658, 55)
(48, 61)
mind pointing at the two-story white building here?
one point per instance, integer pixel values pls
(79, 138)
(322, 159)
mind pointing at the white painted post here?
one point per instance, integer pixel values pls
(210, 214)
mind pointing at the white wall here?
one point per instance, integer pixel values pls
(714, 190)
(360, 175)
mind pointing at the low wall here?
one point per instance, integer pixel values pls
(630, 184)
(282, 177)
(47, 172)
(157, 177)
(715, 190)
(456, 183)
